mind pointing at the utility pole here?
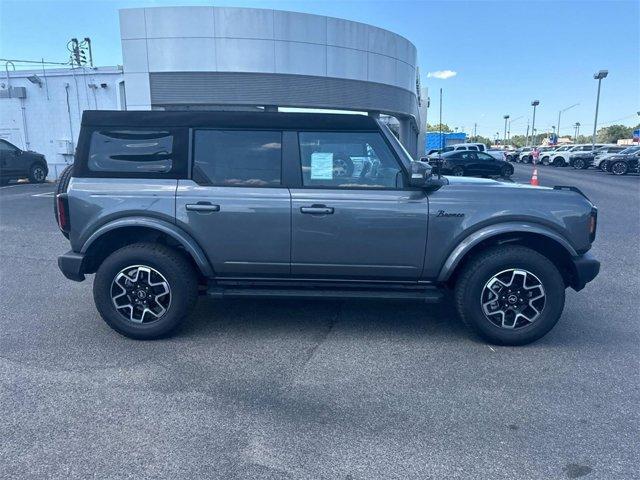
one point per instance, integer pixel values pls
(597, 76)
(526, 138)
(577, 126)
(506, 117)
(475, 132)
(534, 104)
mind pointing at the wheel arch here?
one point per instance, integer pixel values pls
(119, 233)
(538, 238)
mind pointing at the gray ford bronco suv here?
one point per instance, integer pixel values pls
(165, 206)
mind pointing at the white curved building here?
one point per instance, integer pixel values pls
(220, 57)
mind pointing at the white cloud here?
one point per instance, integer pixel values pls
(442, 74)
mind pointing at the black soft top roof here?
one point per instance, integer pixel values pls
(262, 120)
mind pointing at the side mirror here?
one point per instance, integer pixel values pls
(420, 173)
(422, 177)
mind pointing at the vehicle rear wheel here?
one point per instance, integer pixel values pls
(457, 172)
(558, 161)
(510, 295)
(37, 173)
(545, 161)
(619, 168)
(506, 171)
(145, 290)
(579, 164)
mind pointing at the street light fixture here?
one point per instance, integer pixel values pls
(534, 104)
(506, 117)
(597, 76)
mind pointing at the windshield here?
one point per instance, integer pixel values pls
(629, 150)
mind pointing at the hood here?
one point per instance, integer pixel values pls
(473, 181)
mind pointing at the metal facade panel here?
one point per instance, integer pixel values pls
(232, 88)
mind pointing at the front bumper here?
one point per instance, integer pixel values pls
(70, 265)
(586, 268)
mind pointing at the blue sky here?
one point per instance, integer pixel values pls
(504, 53)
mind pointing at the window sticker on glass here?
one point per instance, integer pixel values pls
(322, 166)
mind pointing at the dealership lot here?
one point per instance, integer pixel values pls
(316, 389)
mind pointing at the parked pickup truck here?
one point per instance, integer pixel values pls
(164, 206)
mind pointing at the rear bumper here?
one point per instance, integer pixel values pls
(586, 268)
(70, 265)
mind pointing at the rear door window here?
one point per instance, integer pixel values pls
(127, 152)
(237, 158)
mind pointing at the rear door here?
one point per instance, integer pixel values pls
(235, 204)
(487, 164)
(352, 218)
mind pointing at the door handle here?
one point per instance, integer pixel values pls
(317, 210)
(202, 207)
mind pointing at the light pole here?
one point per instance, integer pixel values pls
(534, 104)
(577, 126)
(597, 76)
(506, 117)
(510, 122)
(561, 112)
(553, 133)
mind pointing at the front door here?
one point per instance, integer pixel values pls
(351, 217)
(235, 205)
(9, 159)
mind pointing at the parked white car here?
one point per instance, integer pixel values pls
(497, 154)
(562, 159)
(545, 159)
(478, 147)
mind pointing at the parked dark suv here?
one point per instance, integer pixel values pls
(163, 206)
(16, 164)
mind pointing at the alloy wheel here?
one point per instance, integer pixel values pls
(619, 168)
(140, 294)
(38, 174)
(513, 298)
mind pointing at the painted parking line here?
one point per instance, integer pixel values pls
(47, 194)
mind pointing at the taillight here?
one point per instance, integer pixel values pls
(593, 224)
(63, 212)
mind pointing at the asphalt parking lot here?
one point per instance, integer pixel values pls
(317, 389)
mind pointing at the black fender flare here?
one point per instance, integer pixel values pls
(182, 237)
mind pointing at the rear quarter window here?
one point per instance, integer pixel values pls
(135, 152)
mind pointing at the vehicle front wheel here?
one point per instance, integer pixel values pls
(579, 164)
(619, 168)
(506, 171)
(545, 161)
(457, 172)
(145, 291)
(510, 295)
(37, 173)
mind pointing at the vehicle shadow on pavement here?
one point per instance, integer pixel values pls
(262, 316)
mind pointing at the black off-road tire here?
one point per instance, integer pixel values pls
(476, 273)
(37, 173)
(176, 269)
(61, 187)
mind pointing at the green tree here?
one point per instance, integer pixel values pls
(436, 128)
(613, 133)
